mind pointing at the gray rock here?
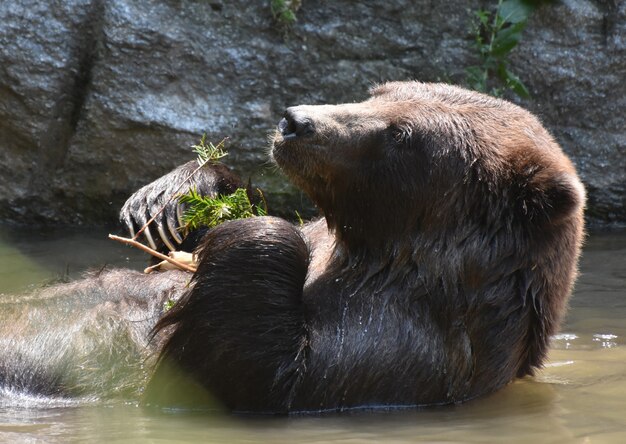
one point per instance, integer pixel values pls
(574, 58)
(98, 97)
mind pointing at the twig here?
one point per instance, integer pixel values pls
(174, 194)
(263, 199)
(134, 243)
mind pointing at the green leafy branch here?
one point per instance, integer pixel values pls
(209, 153)
(203, 211)
(496, 34)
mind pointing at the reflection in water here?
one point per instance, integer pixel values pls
(578, 397)
(30, 258)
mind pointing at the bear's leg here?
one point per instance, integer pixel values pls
(239, 333)
(84, 339)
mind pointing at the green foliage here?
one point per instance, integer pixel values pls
(300, 220)
(203, 211)
(496, 34)
(284, 12)
(167, 305)
(209, 152)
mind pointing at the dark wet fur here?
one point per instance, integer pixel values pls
(86, 339)
(241, 329)
(454, 223)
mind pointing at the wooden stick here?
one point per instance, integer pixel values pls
(149, 250)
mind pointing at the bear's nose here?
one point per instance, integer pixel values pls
(295, 124)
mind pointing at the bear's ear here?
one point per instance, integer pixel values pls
(553, 196)
(400, 134)
(377, 89)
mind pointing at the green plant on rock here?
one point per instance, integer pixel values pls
(168, 304)
(496, 34)
(284, 12)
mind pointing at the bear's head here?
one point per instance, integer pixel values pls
(417, 158)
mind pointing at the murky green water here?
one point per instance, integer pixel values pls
(579, 397)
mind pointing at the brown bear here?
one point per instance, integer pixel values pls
(443, 263)
(448, 248)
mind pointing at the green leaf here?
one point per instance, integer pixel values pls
(507, 38)
(261, 210)
(209, 153)
(514, 83)
(300, 221)
(483, 17)
(168, 304)
(284, 12)
(495, 36)
(475, 77)
(203, 211)
(287, 17)
(515, 11)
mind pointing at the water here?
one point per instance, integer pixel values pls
(579, 397)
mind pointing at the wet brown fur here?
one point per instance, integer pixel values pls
(452, 229)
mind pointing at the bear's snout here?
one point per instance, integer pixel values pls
(295, 124)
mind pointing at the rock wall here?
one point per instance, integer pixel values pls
(98, 97)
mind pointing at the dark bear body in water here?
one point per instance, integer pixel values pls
(443, 263)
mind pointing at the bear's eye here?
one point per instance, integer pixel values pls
(400, 135)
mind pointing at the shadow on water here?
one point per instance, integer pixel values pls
(577, 397)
